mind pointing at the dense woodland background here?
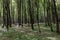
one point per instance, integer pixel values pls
(37, 17)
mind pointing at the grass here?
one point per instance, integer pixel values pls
(25, 33)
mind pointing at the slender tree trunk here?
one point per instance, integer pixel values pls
(25, 14)
(31, 14)
(49, 15)
(19, 11)
(54, 12)
(6, 14)
(37, 15)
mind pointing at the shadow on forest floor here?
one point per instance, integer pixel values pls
(26, 33)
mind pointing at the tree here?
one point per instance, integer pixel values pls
(55, 15)
(37, 14)
(31, 12)
(19, 11)
(49, 14)
(6, 13)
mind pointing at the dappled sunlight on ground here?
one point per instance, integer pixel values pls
(52, 38)
(28, 34)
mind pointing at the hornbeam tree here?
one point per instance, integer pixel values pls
(25, 12)
(31, 13)
(6, 12)
(37, 14)
(49, 14)
(55, 15)
(19, 11)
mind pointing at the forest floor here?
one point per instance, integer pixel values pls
(26, 33)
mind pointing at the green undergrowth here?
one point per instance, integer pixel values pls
(15, 34)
